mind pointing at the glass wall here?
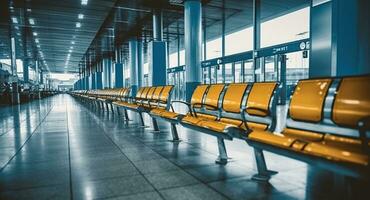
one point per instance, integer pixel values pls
(286, 28)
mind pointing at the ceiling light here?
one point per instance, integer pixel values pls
(32, 21)
(71, 47)
(73, 42)
(84, 2)
(18, 33)
(29, 10)
(34, 34)
(37, 40)
(78, 25)
(70, 51)
(80, 16)
(38, 46)
(15, 20)
(16, 27)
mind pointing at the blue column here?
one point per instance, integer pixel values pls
(26, 75)
(193, 42)
(134, 82)
(339, 38)
(118, 75)
(93, 81)
(140, 63)
(99, 80)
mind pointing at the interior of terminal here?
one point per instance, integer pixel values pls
(184, 99)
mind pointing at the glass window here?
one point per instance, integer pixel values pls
(239, 41)
(214, 49)
(229, 75)
(173, 60)
(182, 57)
(287, 28)
(248, 71)
(238, 72)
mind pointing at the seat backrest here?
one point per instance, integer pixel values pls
(307, 101)
(198, 94)
(213, 96)
(166, 93)
(259, 98)
(150, 93)
(139, 92)
(352, 101)
(144, 93)
(233, 97)
(157, 92)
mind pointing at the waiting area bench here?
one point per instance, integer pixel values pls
(226, 111)
(147, 99)
(327, 126)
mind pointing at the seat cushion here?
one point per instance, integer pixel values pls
(164, 113)
(215, 125)
(337, 154)
(271, 138)
(125, 104)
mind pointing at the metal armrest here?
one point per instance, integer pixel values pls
(183, 102)
(202, 104)
(363, 126)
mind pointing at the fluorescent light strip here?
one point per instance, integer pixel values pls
(32, 21)
(78, 25)
(15, 20)
(84, 2)
(80, 16)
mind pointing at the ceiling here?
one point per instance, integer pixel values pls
(107, 24)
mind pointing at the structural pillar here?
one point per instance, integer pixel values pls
(157, 25)
(257, 40)
(193, 42)
(134, 81)
(14, 79)
(140, 63)
(339, 38)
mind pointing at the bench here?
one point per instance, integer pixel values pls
(327, 126)
(226, 111)
(147, 99)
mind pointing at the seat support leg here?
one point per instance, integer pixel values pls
(118, 112)
(222, 157)
(263, 173)
(111, 107)
(175, 135)
(126, 115)
(107, 106)
(155, 125)
(142, 124)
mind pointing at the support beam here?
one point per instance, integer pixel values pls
(193, 45)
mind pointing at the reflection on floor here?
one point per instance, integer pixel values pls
(56, 148)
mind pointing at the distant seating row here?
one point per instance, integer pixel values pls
(327, 124)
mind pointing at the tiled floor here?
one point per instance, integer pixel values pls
(56, 148)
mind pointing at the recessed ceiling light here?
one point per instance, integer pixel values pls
(78, 25)
(18, 33)
(29, 10)
(73, 42)
(70, 51)
(32, 21)
(34, 34)
(71, 47)
(38, 46)
(84, 2)
(37, 40)
(15, 20)
(80, 16)
(16, 27)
